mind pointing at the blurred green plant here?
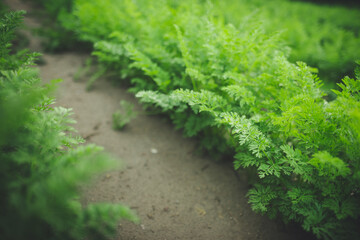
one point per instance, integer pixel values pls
(327, 39)
(54, 30)
(123, 116)
(41, 165)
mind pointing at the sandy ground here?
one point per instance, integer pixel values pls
(176, 193)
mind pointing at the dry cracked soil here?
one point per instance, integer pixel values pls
(176, 192)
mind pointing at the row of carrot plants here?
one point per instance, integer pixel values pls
(42, 165)
(325, 37)
(233, 86)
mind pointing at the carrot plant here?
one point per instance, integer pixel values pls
(123, 116)
(228, 80)
(327, 39)
(42, 163)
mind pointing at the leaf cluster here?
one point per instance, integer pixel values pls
(326, 39)
(42, 163)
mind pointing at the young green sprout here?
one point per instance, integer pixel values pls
(123, 116)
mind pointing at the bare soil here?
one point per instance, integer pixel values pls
(177, 193)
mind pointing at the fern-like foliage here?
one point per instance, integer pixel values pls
(42, 163)
(221, 70)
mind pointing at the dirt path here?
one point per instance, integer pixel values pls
(176, 193)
